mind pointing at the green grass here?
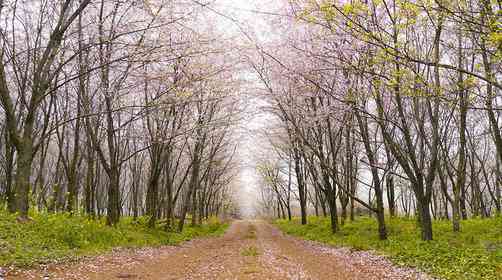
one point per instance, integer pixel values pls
(250, 251)
(51, 237)
(474, 253)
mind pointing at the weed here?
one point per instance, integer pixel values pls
(250, 251)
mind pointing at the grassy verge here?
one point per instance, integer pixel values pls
(51, 237)
(475, 253)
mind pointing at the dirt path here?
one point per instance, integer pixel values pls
(249, 250)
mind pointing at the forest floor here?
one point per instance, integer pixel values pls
(249, 250)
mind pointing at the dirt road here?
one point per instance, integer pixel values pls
(249, 250)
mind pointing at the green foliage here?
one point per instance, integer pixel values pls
(474, 253)
(355, 8)
(329, 13)
(56, 236)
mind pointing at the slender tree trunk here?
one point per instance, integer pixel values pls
(89, 181)
(152, 192)
(461, 167)
(391, 197)
(498, 194)
(301, 185)
(363, 126)
(333, 210)
(194, 180)
(194, 206)
(9, 169)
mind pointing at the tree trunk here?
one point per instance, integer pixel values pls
(424, 217)
(363, 126)
(194, 180)
(331, 197)
(23, 174)
(152, 194)
(9, 169)
(89, 181)
(113, 207)
(391, 197)
(461, 167)
(194, 206)
(301, 185)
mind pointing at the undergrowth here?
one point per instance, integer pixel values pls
(474, 253)
(250, 251)
(51, 237)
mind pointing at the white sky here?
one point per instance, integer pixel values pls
(241, 16)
